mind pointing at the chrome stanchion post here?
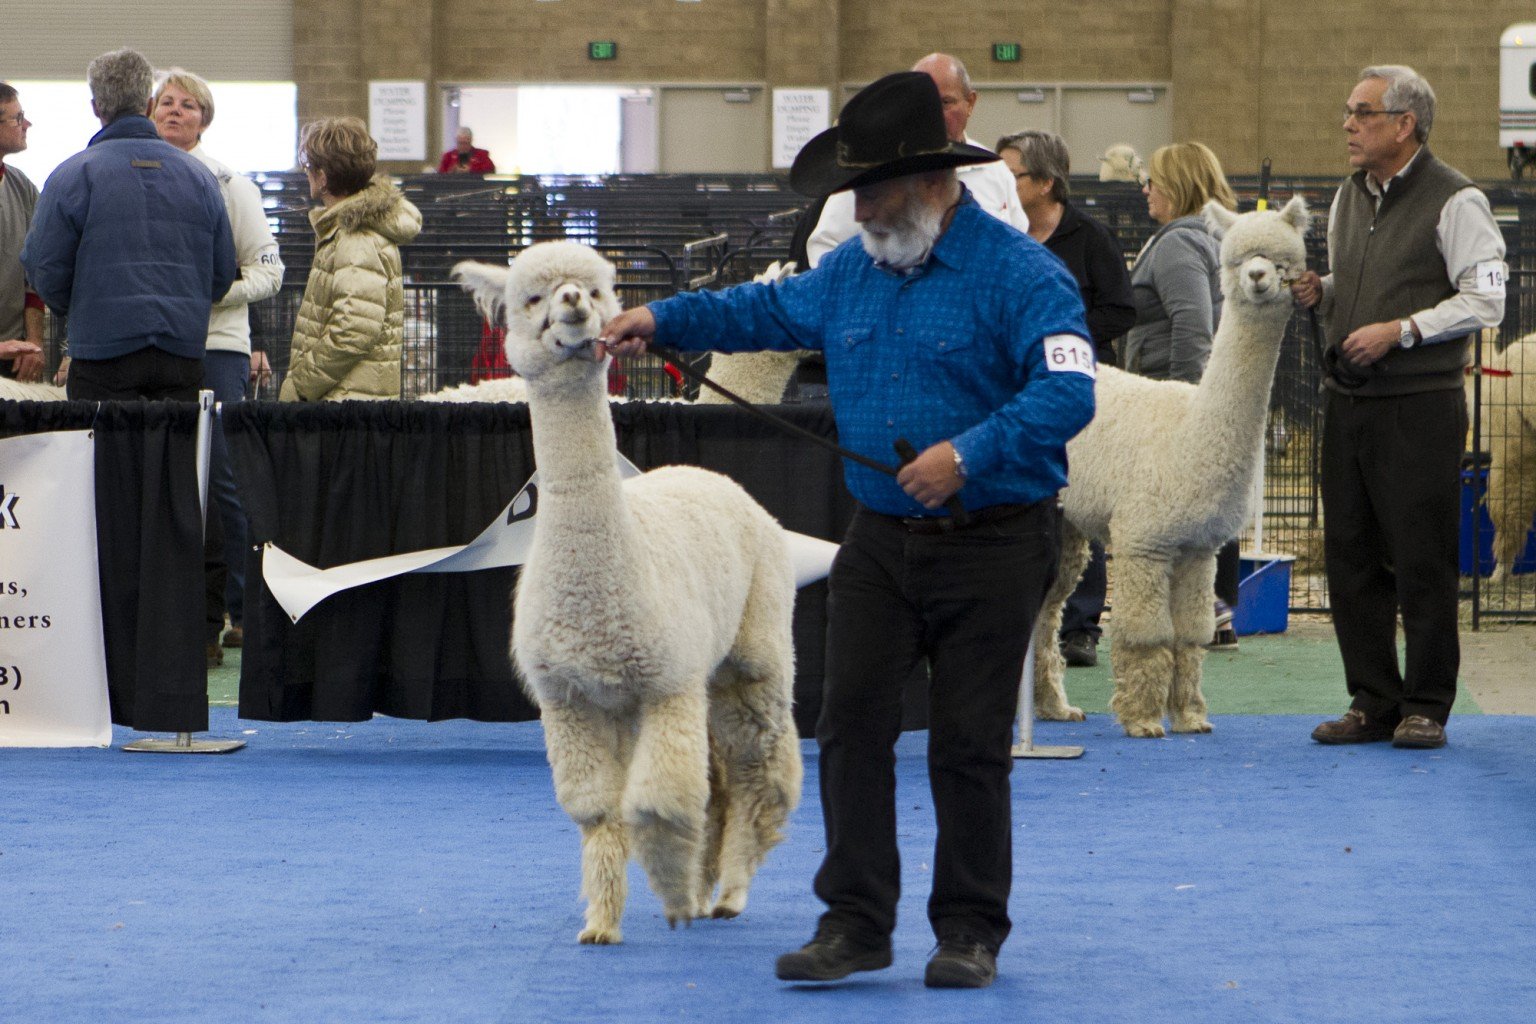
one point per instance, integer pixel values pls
(1026, 746)
(184, 743)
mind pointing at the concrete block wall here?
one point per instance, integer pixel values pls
(1249, 79)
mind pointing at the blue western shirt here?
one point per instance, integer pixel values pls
(953, 350)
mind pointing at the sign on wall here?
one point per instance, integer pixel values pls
(397, 119)
(798, 114)
(53, 668)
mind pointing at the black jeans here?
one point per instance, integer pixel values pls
(1391, 485)
(146, 373)
(967, 601)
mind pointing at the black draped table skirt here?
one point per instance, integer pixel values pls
(335, 483)
(149, 546)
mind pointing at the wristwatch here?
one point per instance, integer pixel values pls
(959, 464)
(1405, 336)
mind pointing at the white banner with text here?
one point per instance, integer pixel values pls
(53, 667)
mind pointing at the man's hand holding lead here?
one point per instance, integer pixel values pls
(932, 478)
(629, 333)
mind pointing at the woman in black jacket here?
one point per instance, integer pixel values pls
(1040, 164)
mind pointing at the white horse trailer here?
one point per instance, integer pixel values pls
(1517, 95)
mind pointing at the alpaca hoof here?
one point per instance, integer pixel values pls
(1065, 713)
(594, 936)
(1182, 724)
(729, 905)
(1144, 730)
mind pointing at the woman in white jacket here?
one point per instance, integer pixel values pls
(182, 110)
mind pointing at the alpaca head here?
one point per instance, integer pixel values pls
(555, 297)
(1261, 252)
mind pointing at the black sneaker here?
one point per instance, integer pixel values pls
(832, 955)
(961, 962)
(1079, 650)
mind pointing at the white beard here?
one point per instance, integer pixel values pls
(907, 240)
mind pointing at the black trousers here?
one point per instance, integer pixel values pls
(1082, 610)
(1391, 479)
(966, 601)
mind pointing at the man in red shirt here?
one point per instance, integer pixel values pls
(464, 158)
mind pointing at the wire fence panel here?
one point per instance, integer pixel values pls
(667, 233)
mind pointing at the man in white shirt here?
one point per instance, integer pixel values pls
(991, 183)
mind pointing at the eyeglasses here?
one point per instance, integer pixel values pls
(1363, 114)
(1021, 175)
(19, 120)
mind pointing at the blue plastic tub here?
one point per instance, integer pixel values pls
(1263, 593)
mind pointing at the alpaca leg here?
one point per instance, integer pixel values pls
(1050, 668)
(1192, 595)
(750, 718)
(714, 826)
(667, 796)
(1511, 491)
(588, 751)
(1141, 642)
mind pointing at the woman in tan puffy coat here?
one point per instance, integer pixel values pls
(347, 338)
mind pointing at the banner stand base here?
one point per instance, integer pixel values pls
(183, 744)
(1028, 750)
(1025, 749)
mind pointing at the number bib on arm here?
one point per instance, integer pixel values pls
(1067, 353)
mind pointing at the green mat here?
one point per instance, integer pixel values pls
(1293, 673)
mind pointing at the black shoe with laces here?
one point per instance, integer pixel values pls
(961, 961)
(1079, 650)
(832, 955)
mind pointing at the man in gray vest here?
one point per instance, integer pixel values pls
(1417, 267)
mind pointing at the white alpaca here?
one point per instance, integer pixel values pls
(1165, 474)
(16, 391)
(651, 623)
(1509, 436)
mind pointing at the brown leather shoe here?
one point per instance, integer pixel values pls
(1419, 733)
(1354, 727)
(234, 636)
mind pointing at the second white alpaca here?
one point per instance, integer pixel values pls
(1164, 474)
(652, 623)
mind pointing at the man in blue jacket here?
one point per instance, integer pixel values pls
(946, 327)
(131, 241)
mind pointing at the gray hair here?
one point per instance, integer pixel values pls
(121, 83)
(956, 65)
(1406, 90)
(1044, 155)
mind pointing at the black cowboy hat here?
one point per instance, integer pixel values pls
(891, 128)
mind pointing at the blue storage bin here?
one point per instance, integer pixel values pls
(1473, 485)
(1263, 593)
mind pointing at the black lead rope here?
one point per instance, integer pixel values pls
(903, 447)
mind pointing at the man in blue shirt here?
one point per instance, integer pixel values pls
(131, 241)
(946, 327)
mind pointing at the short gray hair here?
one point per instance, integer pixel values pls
(1406, 90)
(121, 83)
(1044, 155)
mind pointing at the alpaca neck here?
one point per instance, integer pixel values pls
(573, 446)
(1231, 405)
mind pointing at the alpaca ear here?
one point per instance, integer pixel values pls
(487, 284)
(1218, 218)
(1296, 214)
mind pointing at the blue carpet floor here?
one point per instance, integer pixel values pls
(404, 871)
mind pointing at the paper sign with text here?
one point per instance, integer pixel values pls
(53, 667)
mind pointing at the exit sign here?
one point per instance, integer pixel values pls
(1007, 53)
(606, 49)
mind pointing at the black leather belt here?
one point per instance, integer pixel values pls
(947, 524)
